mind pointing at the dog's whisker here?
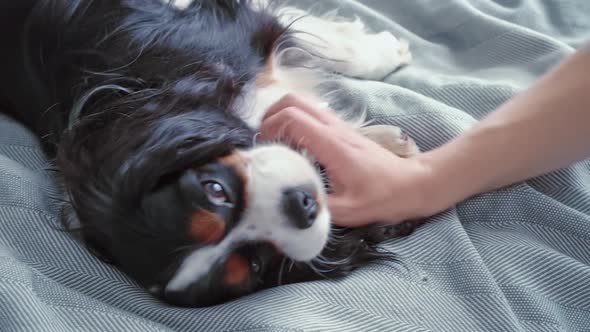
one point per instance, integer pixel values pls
(152, 126)
(318, 271)
(282, 270)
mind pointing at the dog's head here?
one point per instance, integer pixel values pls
(163, 177)
(185, 203)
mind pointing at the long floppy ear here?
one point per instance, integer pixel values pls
(52, 26)
(44, 34)
(22, 87)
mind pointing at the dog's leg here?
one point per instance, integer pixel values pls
(392, 138)
(347, 47)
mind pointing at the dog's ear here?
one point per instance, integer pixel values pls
(97, 248)
(43, 45)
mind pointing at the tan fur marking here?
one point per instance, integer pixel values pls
(237, 270)
(237, 162)
(267, 78)
(207, 227)
(240, 164)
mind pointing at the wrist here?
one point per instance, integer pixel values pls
(438, 187)
(419, 193)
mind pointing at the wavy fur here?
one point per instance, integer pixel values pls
(123, 99)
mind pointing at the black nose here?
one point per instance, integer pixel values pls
(301, 207)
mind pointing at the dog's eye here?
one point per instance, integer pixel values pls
(216, 193)
(255, 265)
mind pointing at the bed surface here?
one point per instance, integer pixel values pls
(517, 259)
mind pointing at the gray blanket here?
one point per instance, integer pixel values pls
(512, 260)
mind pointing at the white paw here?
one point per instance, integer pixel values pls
(377, 55)
(374, 56)
(358, 53)
(392, 138)
(346, 47)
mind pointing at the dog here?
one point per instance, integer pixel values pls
(150, 109)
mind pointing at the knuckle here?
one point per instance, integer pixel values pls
(291, 113)
(286, 101)
(289, 99)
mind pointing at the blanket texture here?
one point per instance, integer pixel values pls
(517, 259)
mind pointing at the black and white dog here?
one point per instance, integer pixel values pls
(150, 110)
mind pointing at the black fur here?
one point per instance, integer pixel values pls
(129, 94)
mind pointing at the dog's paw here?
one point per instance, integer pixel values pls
(374, 56)
(348, 48)
(366, 55)
(392, 138)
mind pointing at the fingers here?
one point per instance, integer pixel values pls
(361, 184)
(303, 131)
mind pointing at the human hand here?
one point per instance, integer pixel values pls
(370, 184)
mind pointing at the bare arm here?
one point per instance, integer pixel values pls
(545, 128)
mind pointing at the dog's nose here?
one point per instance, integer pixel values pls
(301, 207)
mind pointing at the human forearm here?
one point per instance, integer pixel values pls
(545, 128)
